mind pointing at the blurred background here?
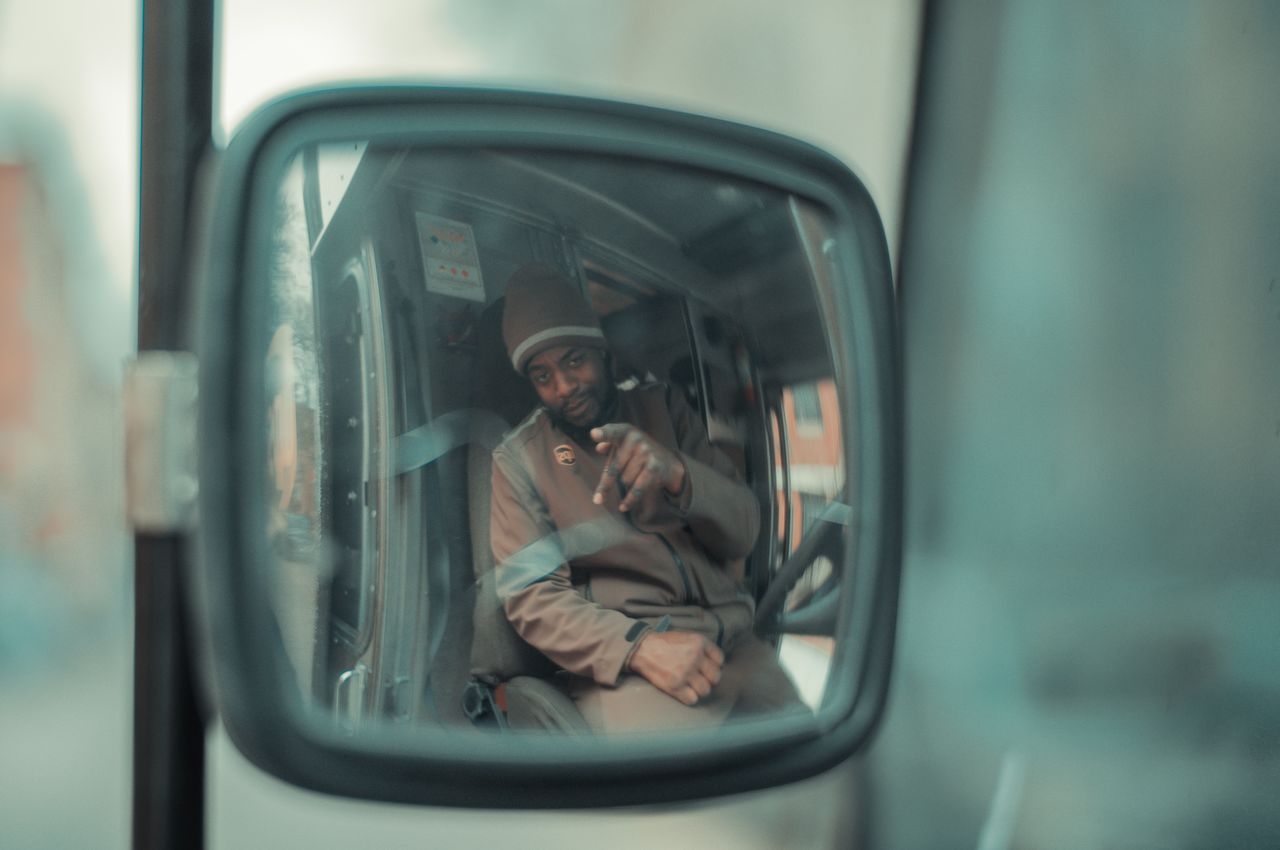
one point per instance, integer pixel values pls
(1089, 647)
(1090, 286)
(68, 172)
(834, 72)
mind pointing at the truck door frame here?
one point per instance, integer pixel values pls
(176, 130)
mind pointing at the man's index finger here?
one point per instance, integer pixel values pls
(611, 433)
(608, 476)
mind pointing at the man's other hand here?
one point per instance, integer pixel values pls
(684, 665)
(636, 460)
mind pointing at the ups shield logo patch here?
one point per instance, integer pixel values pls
(565, 454)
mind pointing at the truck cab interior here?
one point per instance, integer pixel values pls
(390, 267)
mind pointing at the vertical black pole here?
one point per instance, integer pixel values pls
(168, 733)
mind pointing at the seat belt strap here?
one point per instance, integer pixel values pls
(428, 443)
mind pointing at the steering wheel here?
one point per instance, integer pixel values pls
(816, 615)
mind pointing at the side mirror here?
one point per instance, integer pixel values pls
(366, 447)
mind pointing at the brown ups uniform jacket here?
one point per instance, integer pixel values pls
(582, 582)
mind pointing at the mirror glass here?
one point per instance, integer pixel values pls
(555, 443)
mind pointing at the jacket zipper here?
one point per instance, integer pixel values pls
(688, 588)
(675, 556)
(680, 567)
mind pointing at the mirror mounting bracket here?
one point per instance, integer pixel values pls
(160, 404)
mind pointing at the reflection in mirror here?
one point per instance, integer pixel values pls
(554, 443)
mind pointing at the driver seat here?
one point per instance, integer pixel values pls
(511, 682)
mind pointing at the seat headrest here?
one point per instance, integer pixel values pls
(495, 385)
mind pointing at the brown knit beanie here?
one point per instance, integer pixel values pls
(544, 310)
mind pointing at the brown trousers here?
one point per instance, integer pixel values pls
(752, 684)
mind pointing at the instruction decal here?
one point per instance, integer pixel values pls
(449, 257)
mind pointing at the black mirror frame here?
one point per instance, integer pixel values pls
(465, 770)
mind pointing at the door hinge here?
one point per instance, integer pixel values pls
(160, 407)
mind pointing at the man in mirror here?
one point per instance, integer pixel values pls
(619, 533)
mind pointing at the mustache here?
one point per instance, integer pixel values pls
(606, 399)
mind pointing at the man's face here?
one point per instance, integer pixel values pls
(573, 383)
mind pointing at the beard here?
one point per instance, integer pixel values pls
(606, 404)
